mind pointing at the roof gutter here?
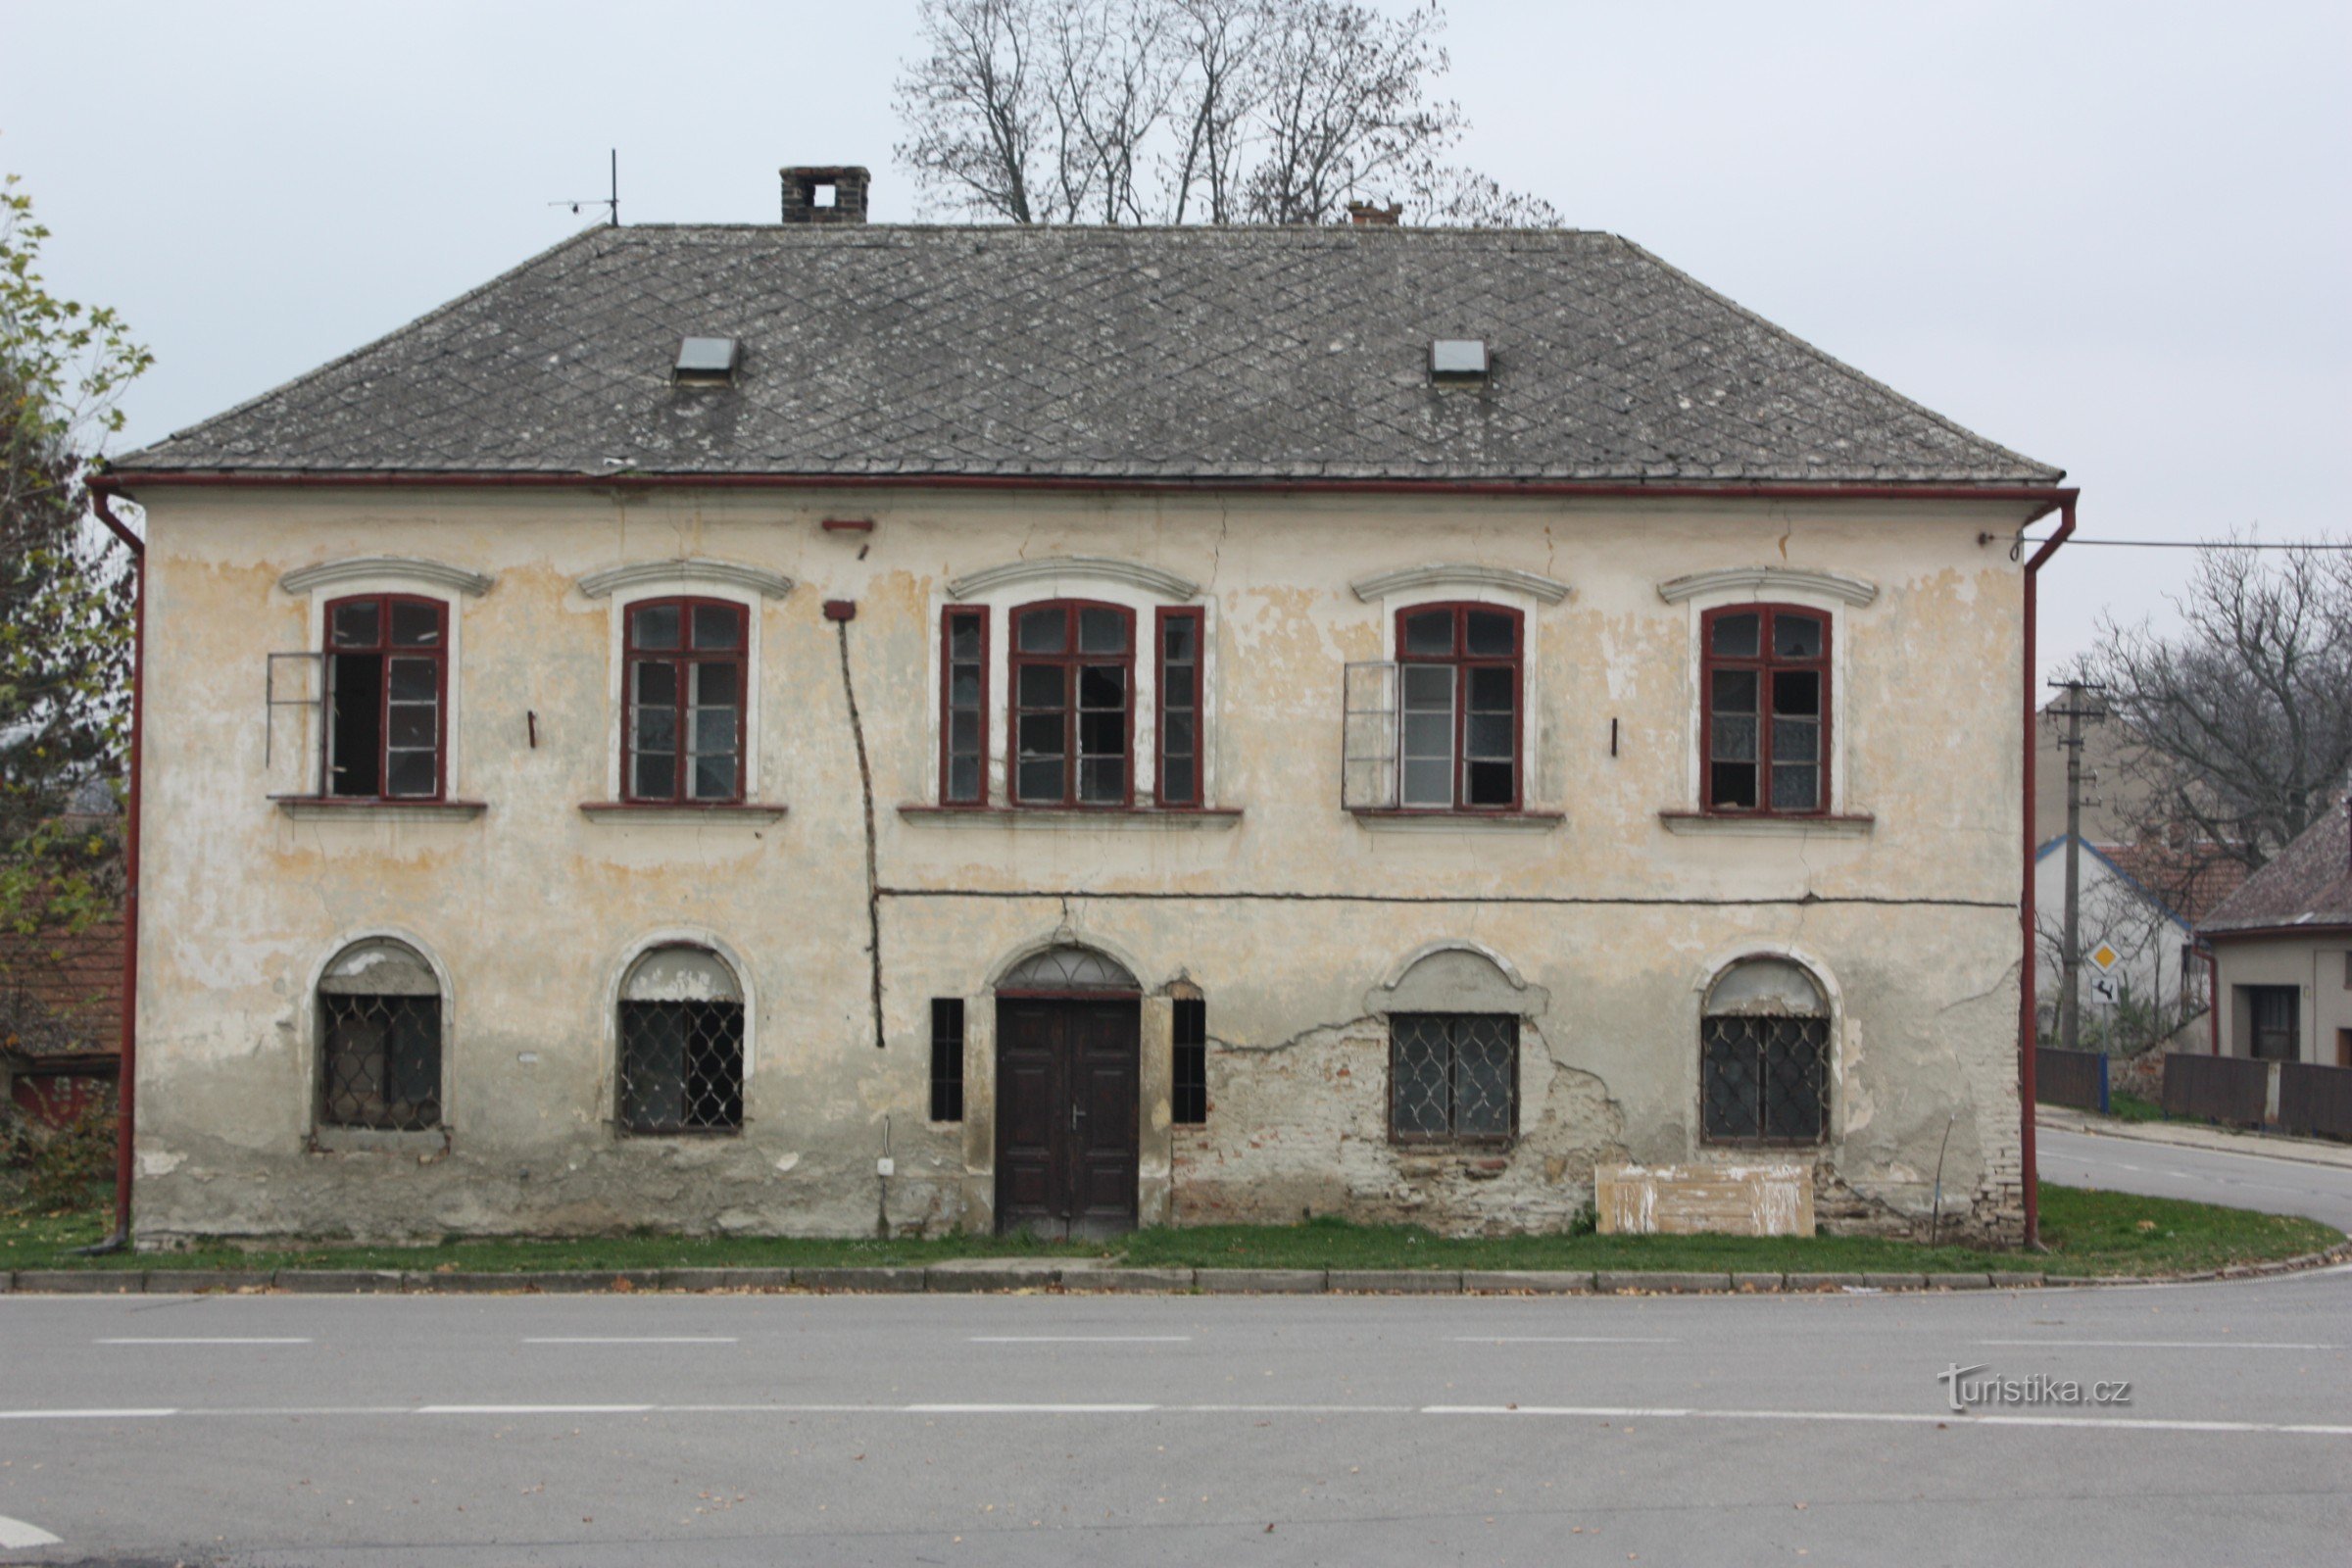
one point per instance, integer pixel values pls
(2044, 498)
(126, 1078)
(2029, 1034)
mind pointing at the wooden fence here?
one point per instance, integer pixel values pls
(2077, 1078)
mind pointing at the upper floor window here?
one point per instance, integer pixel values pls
(1459, 675)
(685, 686)
(1766, 715)
(1073, 716)
(387, 697)
(1179, 774)
(964, 706)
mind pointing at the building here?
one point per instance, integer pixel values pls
(813, 727)
(2283, 953)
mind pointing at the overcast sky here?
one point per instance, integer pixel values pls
(2115, 237)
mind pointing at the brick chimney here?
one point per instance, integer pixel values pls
(1363, 214)
(832, 194)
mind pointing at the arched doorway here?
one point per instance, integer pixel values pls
(1069, 1060)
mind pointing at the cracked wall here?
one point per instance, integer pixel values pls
(1298, 923)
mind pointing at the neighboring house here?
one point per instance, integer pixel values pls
(2148, 947)
(797, 728)
(60, 1008)
(2282, 952)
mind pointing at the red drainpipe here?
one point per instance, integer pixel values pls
(127, 1080)
(2027, 1023)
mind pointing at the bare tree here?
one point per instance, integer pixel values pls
(2242, 718)
(1175, 110)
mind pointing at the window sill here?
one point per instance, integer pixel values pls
(1208, 819)
(341, 1140)
(1394, 819)
(1852, 826)
(751, 813)
(321, 808)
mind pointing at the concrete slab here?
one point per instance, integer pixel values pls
(1662, 1281)
(1127, 1280)
(1524, 1281)
(723, 1279)
(892, 1280)
(81, 1281)
(1896, 1282)
(191, 1280)
(1396, 1281)
(1821, 1282)
(1259, 1281)
(1754, 1283)
(993, 1274)
(341, 1281)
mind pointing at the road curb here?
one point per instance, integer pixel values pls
(980, 1277)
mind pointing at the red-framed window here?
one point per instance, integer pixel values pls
(963, 705)
(1073, 704)
(1177, 780)
(388, 698)
(684, 683)
(1459, 709)
(1765, 722)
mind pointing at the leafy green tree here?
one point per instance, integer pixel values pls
(65, 607)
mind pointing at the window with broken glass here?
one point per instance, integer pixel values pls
(379, 1039)
(1766, 720)
(1453, 1077)
(1073, 683)
(685, 687)
(387, 688)
(1458, 670)
(1764, 1057)
(681, 1030)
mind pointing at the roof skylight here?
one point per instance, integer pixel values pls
(707, 359)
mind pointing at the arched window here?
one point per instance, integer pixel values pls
(1069, 968)
(681, 1043)
(379, 1039)
(1764, 1056)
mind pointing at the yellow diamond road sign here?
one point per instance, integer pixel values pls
(2105, 956)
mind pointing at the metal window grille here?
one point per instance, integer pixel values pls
(946, 1059)
(681, 1067)
(1453, 1076)
(380, 1061)
(1188, 1091)
(1764, 1079)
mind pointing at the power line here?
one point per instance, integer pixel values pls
(2195, 544)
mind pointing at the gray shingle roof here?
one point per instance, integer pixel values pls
(1191, 352)
(2309, 883)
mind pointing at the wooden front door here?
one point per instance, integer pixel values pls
(1068, 1077)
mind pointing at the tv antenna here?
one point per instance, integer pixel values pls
(610, 204)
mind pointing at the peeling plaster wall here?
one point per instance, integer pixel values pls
(1288, 919)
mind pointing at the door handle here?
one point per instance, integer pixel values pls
(1075, 1113)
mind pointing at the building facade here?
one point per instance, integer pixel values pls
(820, 728)
(2283, 953)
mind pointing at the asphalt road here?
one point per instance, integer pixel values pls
(2161, 1170)
(741, 1429)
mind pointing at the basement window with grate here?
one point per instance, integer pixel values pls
(1764, 1056)
(681, 1029)
(1453, 1077)
(379, 1039)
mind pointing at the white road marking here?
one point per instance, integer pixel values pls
(1601, 1412)
(1900, 1418)
(15, 1533)
(2162, 1345)
(1082, 1339)
(1555, 1338)
(1025, 1409)
(193, 1339)
(86, 1415)
(632, 1339)
(533, 1410)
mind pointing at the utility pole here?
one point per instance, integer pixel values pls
(2070, 948)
